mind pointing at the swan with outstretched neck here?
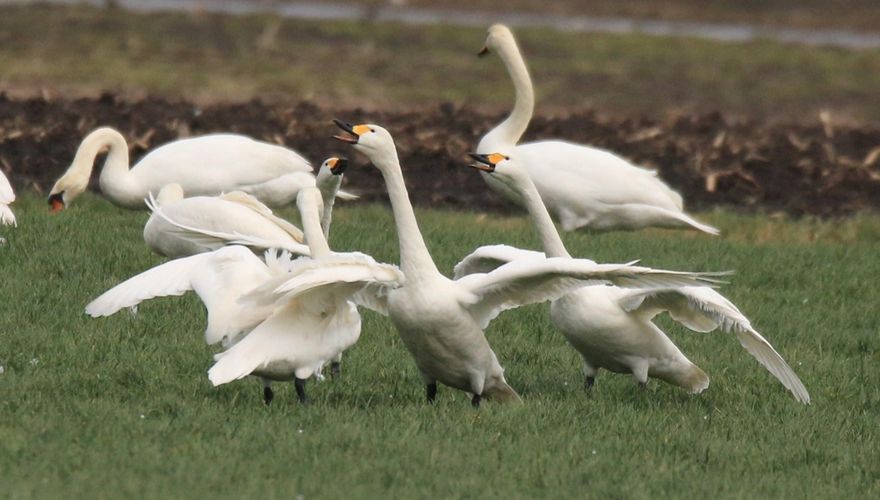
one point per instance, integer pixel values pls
(582, 186)
(610, 326)
(441, 321)
(205, 165)
(182, 226)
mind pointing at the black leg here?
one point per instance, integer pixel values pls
(268, 395)
(475, 401)
(335, 368)
(431, 392)
(300, 385)
(588, 383)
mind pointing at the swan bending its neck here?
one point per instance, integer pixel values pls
(114, 174)
(509, 132)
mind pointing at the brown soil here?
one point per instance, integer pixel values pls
(814, 167)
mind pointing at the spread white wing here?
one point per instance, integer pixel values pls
(219, 278)
(490, 257)
(532, 280)
(703, 309)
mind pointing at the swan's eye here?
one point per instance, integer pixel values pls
(372, 130)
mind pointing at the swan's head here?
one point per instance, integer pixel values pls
(498, 34)
(334, 165)
(371, 140)
(66, 188)
(500, 166)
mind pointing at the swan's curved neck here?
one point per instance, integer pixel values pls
(115, 170)
(415, 261)
(328, 187)
(311, 221)
(511, 129)
(550, 239)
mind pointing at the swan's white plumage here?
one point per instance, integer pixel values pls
(314, 320)
(610, 326)
(206, 165)
(203, 223)
(7, 196)
(581, 186)
(526, 281)
(704, 310)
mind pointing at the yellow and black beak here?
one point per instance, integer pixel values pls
(486, 163)
(337, 165)
(56, 202)
(352, 137)
(483, 52)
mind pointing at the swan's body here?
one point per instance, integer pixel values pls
(185, 226)
(582, 186)
(206, 165)
(610, 326)
(7, 196)
(441, 321)
(311, 328)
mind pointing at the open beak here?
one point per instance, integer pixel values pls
(484, 51)
(351, 137)
(339, 166)
(483, 163)
(56, 202)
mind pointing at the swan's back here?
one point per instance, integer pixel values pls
(573, 172)
(211, 214)
(214, 163)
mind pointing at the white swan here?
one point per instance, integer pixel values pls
(441, 321)
(610, 326)
(206, 165)
(7, 196)
(268, 331)
(314, 320)
(581, 186)
(185, 226)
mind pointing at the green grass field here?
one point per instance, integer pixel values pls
(122, 406)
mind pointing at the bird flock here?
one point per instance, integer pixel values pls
(283, 306)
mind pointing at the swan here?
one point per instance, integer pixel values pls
(582, 186)
(441, 321)
(610, 326)
(206, 165)
(182, 226)
(7, 196)
(266, 331)
(311, 328)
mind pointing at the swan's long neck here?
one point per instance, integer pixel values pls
(511, 129)
(311, 221)
(115, 167)
(328, 187)
(550, 239)
(115, 170)
(415, 261)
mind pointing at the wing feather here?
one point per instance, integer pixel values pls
(704, 310)
(532, 280)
